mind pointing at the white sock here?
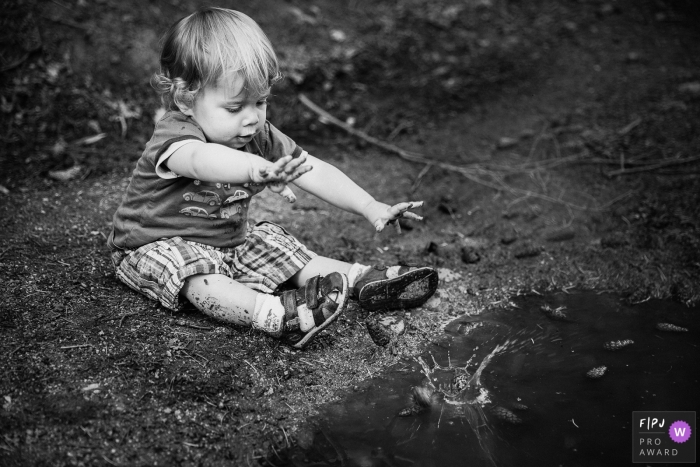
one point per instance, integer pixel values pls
(357, 270)
(269, 314)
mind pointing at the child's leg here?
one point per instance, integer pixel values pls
(225, 299)
(221, 297)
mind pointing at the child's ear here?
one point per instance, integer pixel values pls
(184, 108)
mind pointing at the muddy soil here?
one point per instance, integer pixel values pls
(554, 145)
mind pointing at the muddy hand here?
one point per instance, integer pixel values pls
(396, 212)
(283, 190)
(285, 170)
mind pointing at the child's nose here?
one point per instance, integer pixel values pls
(250, 116)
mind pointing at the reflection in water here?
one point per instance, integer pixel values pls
(521, 387)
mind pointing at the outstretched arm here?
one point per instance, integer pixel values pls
(217, 163)
(330, 184)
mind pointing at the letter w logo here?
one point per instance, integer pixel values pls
(680, 432)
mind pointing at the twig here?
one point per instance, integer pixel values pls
(629, 127)
(75, 346)
(653, 166)
(254, 369)
(285, 436)
(125, 316)
(16, 349)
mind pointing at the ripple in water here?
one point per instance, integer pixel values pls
(553, 381)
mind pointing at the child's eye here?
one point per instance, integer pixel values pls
(262, 102)
(233, 110)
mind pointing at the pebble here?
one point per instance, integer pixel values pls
(470, 255)
(560, 235)
(508, 239)
(506, 142)
(690, 88)
(382, 330)
(527, 251)
(614, 240)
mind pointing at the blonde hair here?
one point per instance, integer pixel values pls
(210, 44)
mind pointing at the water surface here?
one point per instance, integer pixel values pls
(570, 420)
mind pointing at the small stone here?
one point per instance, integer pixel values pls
(506, 142)
(633, 57)
(433, 248)
(508, 239)
(381, 335)
(470, 255)
(614, 240)
(690, 88)
(527, 251)
(560, 235)
(338, 35)
(394, 323)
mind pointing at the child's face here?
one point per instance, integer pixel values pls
(227, 114)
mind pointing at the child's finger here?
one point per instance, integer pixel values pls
(298, 173)
(379, 225)
(294, 164)
(279, 166)
(410, 215)
(397, 225)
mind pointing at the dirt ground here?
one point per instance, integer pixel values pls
(555, 145)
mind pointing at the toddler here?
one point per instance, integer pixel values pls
(181, 232)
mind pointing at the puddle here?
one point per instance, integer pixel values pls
(510, 388)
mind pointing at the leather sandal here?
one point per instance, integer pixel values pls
(311, 308)
(394, 288)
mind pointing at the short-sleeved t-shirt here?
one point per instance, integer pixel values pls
(160, 204)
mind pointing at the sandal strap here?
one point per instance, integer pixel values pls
(289, 302)
(318, 315)
(311, 292)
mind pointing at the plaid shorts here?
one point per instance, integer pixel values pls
(268, 258)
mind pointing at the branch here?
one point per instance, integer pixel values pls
(653, 166)
(473, 173)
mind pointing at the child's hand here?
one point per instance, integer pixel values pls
(285, 170)
(283, 190)
(380, 214)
